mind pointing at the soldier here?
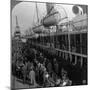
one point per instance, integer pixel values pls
(41, 58)
(49, 67)
(65, 79)
(24, 70)
(32, 76)
(56, 66)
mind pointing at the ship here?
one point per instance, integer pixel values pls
(67, 41)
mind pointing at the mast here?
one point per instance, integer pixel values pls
(37, 13)
(17, 29)
(16, 22)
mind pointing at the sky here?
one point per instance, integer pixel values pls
(26, 14)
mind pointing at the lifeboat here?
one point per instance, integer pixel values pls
(52, 17)
(51, 20)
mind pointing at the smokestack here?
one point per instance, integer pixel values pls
(77, 10)
(80, 9)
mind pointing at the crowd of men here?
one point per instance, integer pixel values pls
(41, 71)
